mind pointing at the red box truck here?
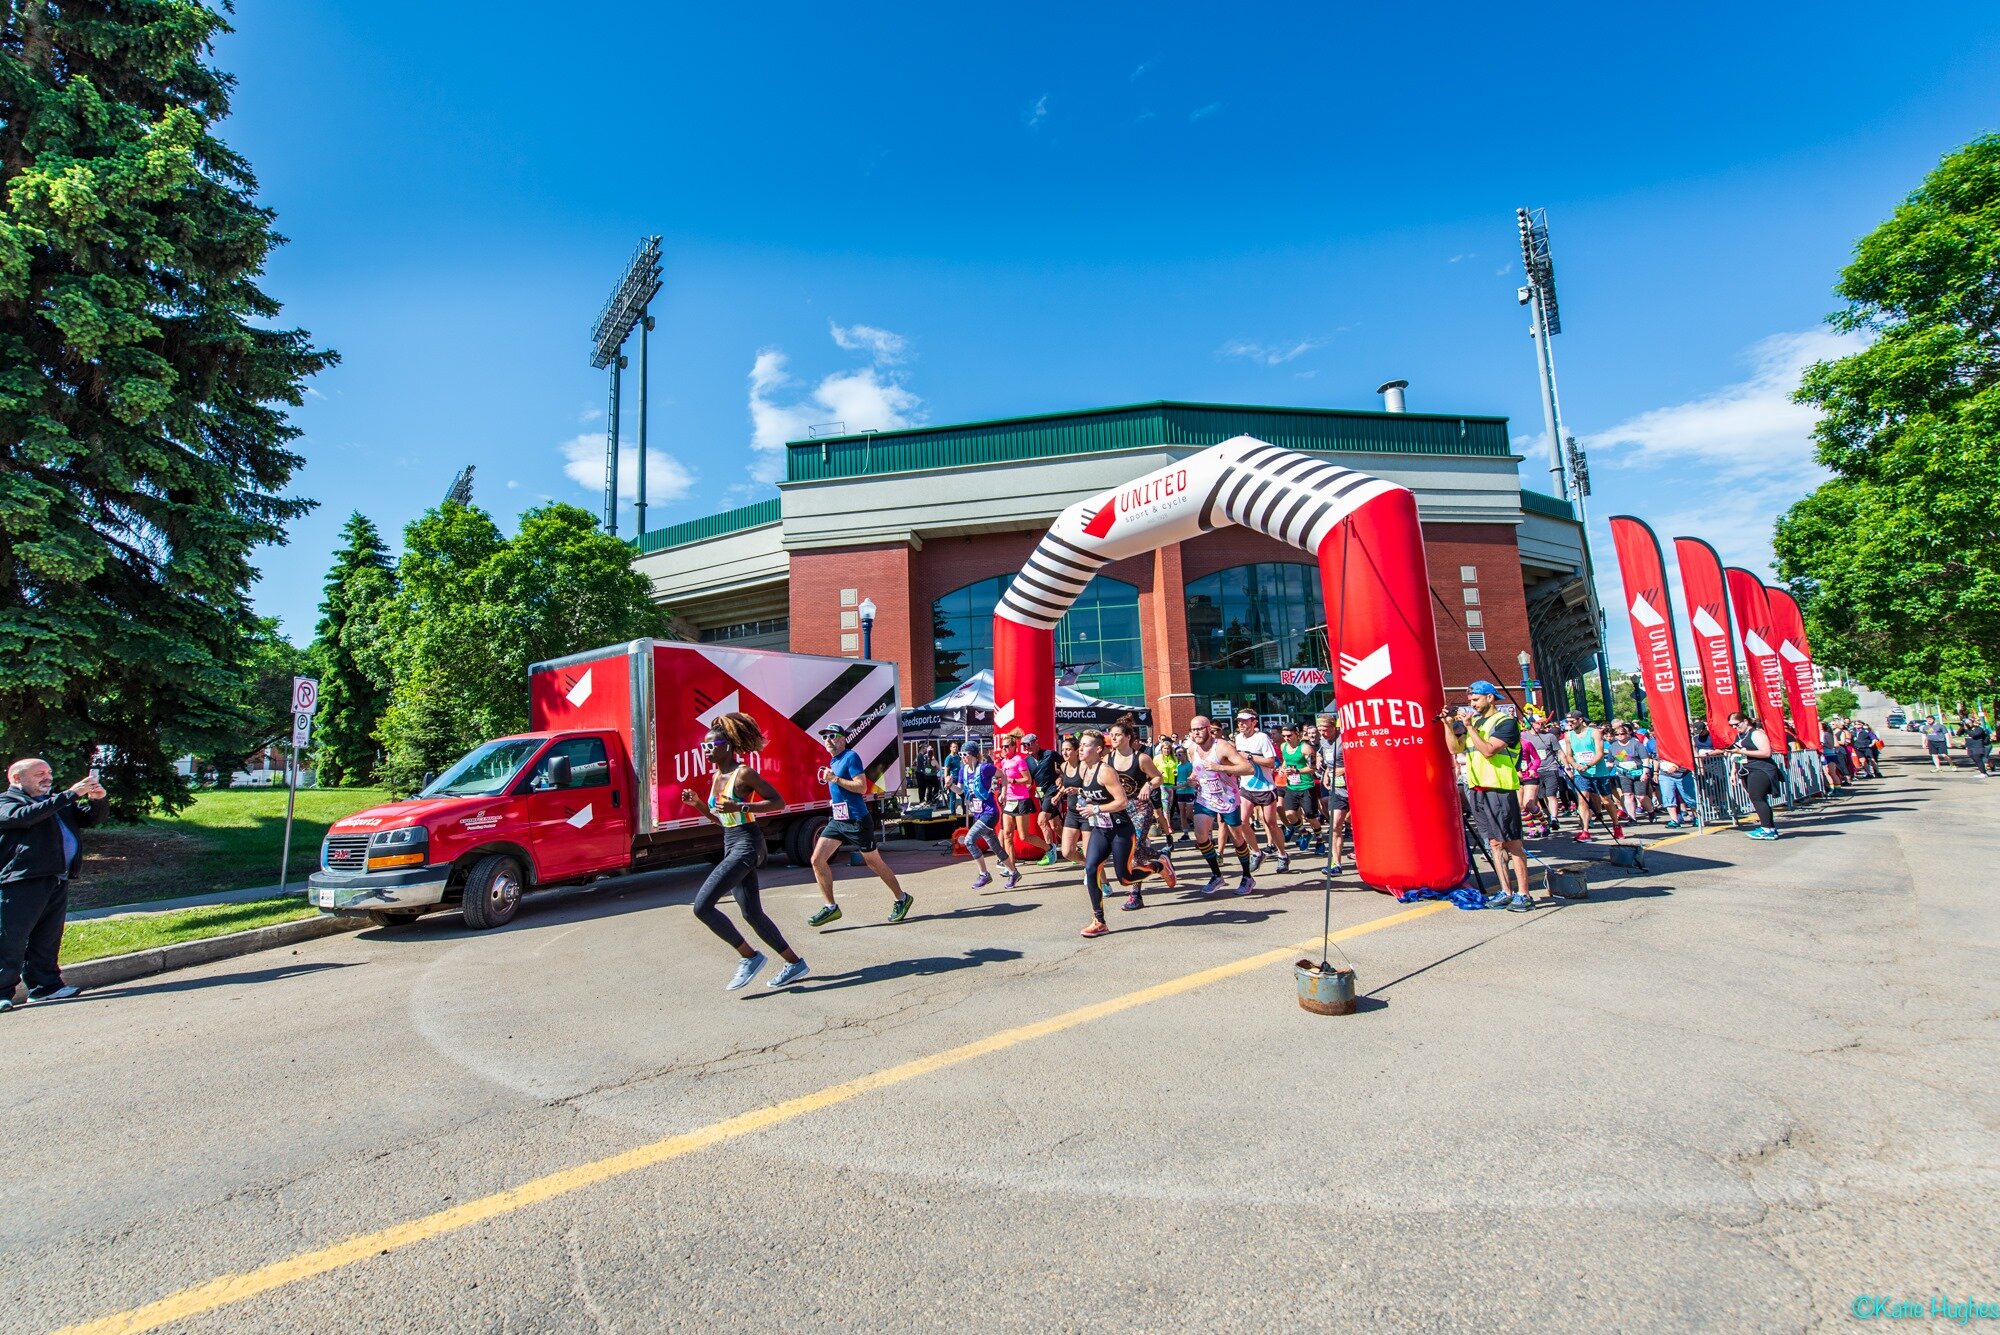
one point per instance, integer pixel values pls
(595, 788)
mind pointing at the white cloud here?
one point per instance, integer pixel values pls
(1143, 67)
(1271, 354)
(667, 479)
(1460, 259)
(1038, 113)
(512, 485)
(1203, 113)
(882, 347)
(1750, 429)
(863, 400)
(590, 414)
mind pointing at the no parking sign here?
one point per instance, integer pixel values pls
(305, 699)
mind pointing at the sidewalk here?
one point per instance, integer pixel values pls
(249, 894)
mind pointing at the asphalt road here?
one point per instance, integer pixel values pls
(1733, 1093)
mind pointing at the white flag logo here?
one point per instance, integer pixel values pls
(1705, 623)
(1755, 644)
(581, 818)
(1361, 673)
(1790, 651)
(1003, 715)
(581, 691)
(1643, 613)
(729, 704)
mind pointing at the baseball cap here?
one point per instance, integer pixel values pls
(1482, 687)
(834, 730)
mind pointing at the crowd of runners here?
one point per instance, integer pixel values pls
(1110, 805)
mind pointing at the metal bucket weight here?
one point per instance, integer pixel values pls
(1324, 993)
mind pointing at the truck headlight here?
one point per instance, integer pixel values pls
(407, 847)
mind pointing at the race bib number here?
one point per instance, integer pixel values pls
(843, 811)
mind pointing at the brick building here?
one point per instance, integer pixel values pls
(930, 524)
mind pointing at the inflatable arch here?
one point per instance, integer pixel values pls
(1370, 547)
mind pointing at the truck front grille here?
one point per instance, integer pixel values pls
(346, 852)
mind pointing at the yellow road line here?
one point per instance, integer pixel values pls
(228, 1289)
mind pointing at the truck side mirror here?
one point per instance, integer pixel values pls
(556, 771)
(430, 777)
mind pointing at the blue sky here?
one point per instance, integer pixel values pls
(938, 213)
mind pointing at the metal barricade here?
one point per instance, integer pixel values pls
(1805, 778)
(1720, 798)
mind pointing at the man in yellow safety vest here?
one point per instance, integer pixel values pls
(1491, 743)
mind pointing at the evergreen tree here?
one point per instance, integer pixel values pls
(350, 659)
(143, 437)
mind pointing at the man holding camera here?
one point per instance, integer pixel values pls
(39, 852)
(1491, 743)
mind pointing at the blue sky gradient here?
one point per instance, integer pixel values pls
(939, 214)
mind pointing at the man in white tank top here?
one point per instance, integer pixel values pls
(1217, 768)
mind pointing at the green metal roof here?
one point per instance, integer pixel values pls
(1534, 502)
(1139, 426)
(709, 526)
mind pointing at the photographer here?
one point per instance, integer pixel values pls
(1491, 744)
(39, 852)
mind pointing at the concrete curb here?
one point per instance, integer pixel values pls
(164, 959)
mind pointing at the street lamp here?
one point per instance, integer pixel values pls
(868, 628)
(1528, 683)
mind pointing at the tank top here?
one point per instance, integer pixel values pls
(724, 785)
(1131, 780)
(1298, 760)
(1020, 785)
(1213, 788)
(1597, 767)
(1095, 793)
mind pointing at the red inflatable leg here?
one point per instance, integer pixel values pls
(1024, 680)
(1390, 689)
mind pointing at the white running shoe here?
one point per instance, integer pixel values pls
(790, 974)
(1245, 886)
(751, 966)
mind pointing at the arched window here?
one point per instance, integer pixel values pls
(1257, 617)
(1100, 636)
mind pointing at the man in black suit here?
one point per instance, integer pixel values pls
(40, 849)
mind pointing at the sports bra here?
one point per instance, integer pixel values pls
(725, 785)
(1132, 779)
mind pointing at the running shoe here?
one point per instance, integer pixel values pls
(1284, 864)
(1333, 869)
(981, 881)
(1167, 876)
(1519, 904)
(1096, 928)
(790, 974)
(6, 1004)
(823, 916)
(1184, 839)
(63, 993)
(1497, 900)
(1049, 859)
(1762, 833)
(1319, 845)
(1673, 824)
(1012, 877)
(1214, 886)
(1132, 902)
(1581, 836)
(1246, 885)
(1617, 832)
(1257, 858)
(901, 910)
(746, 969)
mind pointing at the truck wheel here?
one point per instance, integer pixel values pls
(392, 917)
(492, 892)
(799, 840)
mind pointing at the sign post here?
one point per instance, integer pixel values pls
(305, 698)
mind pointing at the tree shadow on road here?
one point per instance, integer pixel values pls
(1213, 918)
(246, 978)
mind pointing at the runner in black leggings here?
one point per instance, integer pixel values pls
(1104, 807)
(1761, 775)
(731, 739)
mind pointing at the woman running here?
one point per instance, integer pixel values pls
(1761, 775)
(736, 795)
(1104, 807)
(982, 832)
(1018, 808)
(1140, 778)
(1069, 782)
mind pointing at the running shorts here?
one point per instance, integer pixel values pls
(1259, 797)
(1073, 816)
(1230, 818)
(1021, 806)
(1303, 800)
(858, 835)
(1604, 785)
(1333, 799)
(1496, 814)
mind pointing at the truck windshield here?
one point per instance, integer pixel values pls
(485, 771)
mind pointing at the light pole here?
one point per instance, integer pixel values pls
(1528, 683)
(623, 311)
(868, 628)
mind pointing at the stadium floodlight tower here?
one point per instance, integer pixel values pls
(625, 310)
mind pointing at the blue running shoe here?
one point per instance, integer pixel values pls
(749, 968)
(790, 974)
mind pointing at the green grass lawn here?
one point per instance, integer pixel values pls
(95, 938)
(229, 838)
